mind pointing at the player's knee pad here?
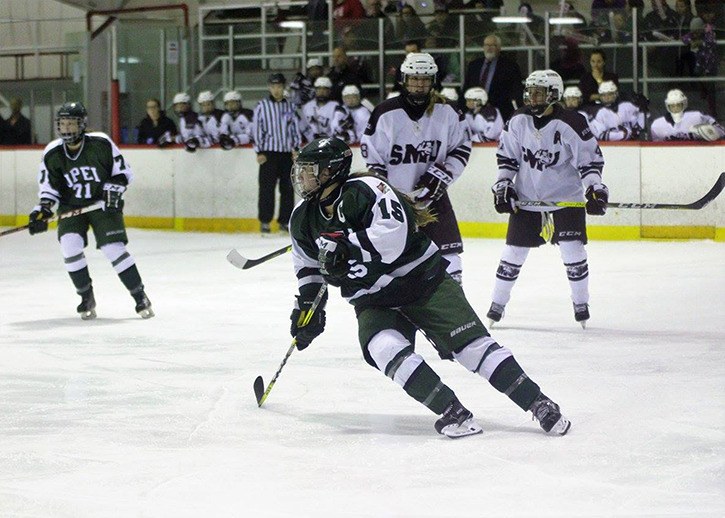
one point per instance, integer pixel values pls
(71, 246)
(118, 255)
(393, 355)
(482, 356)
(574, 255)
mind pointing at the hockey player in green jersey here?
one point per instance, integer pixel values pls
(80, 169)
(358, 233)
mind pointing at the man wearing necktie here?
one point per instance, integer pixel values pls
(498, 75)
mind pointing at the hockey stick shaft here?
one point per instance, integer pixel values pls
(713, 193)
(57, 217)
(305, 321)
(241, 262)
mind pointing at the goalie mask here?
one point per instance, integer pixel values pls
(320, 163)
(70, 122)
(676, 104)
(542, 89)
(418, 75)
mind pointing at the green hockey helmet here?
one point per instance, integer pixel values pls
(320, 163)
(70, 122)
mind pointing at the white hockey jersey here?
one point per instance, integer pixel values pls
(190, 126)
(238, 126)
(317, 119)
(665, 128)
(486, 125)
(212, 124)
(551, 158)
(401, 145)
(349, 123)
(619, 121)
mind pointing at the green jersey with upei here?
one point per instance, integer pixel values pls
(76, 179)
(391, 263)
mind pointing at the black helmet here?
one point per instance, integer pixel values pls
(329, 153)
(73, 111)
(277, 78)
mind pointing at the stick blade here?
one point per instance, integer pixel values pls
(259, 390)
(237, 259)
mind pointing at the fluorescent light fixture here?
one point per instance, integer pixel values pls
(292, 24)
(565, 20)
(130, 60)
(510, 19)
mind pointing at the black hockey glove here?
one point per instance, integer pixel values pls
(504, 197)
(333, 256)
(191, 144)
(113, 196)
(226, 142)
(305, 333)
(38, 218)
(432, 184)
(597, 197)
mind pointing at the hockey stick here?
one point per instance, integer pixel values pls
(713, 193)
(243, 263)
(259, 391)
(57, 217)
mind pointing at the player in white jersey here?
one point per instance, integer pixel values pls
(547, 153)
(191, 131)
(679, 124)
(210, 116)
(352, 118)
(572, 100)
(421, 144)
(236, 122)
(317, 114)
(616, 120)
(483, 119)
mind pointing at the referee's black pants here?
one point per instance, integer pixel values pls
(277, 168)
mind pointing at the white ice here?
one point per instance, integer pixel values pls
(123, 417)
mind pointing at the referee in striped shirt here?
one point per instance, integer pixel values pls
(276, 135)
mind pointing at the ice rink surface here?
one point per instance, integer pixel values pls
(121, 417)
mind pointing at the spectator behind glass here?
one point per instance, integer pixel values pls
(347, 14)
(156, 127)
(703, 45)
(17, 127)
(410, 26)
(346, 71)
(601, 8)
(569, 64)
(589, 83)
(449, 67)
(661, 21)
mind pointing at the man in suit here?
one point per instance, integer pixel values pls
(498, 75)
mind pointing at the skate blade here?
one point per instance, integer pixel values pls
(146, 313)
(491, 323)
(88, 315)
(561, 427)
(468, 427)
(583, 324)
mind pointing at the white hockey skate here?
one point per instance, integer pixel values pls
(457, 421)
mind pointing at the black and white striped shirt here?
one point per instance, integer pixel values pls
(275, 126)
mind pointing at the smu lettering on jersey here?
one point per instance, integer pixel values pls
(212, 124)
(390, 258)
(349, 123)
(77, 180)
(551, 158)
(190, 126)
(486, 125)
(317, 119)
(620, 121)
(398, 146)
(665, 128)
(238, 126)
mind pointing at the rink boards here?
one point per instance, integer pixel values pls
(216, 190)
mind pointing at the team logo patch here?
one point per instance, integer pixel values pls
(540, 159)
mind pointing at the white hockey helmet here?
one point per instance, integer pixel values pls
(418, 64)
(232, 96)
(553, 86)
(477, 94)
(323, 82)
(313, 62)
(674, 98)
(181, 98)
(205, 97)
(608, 92)
(450, 94)
(572, 92)
(350, 90)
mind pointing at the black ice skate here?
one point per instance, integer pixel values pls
(457, 421)
(265, 229)
(547, 413)
(495, 313)
(87, 308)
(581, 314)
(143, 304)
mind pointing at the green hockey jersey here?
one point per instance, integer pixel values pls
(392, 263)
